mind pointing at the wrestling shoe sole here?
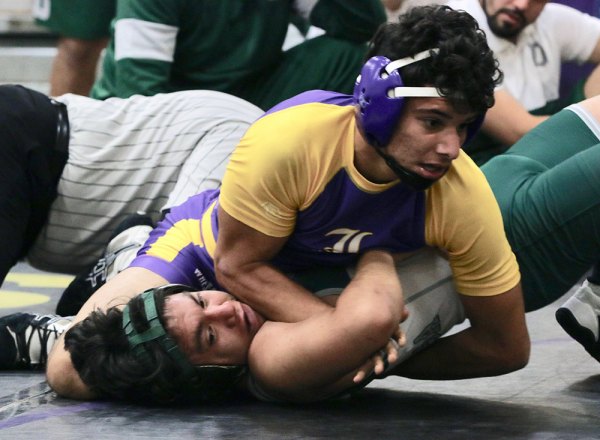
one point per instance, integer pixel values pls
(580, 333)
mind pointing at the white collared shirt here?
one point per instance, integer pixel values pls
(532, 66)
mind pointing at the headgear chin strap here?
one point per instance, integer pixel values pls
(202, 381)
(413, 180)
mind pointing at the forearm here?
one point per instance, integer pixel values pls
(318, 357)
(62, 376)
(270, 292)
(508, 120)
(459, 356)
(60, 371)
(497, 342)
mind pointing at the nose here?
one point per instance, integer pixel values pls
(449, 146)
(520, 4)
(224, 313)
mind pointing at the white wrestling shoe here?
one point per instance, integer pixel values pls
(579, 316)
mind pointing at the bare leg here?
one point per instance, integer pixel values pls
(74, 68)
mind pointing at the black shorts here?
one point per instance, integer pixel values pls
(31, 161)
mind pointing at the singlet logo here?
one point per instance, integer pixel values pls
(204, 283)
(349, 243)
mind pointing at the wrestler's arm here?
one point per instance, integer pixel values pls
(486, 273)
(241, 266)
(497, 342)
(592, 84)
(318, 357)
(508, 120)
(60, 372)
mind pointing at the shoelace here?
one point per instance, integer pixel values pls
(40, 327)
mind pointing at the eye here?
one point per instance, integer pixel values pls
(432, 122)
(200, 301)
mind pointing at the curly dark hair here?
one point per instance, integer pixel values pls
(105, 362)
(464, 70)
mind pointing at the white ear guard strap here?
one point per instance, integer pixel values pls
(419, 92)
(398, 64)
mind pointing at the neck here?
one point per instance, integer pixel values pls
(370, 164)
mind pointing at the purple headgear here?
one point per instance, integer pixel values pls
(379, 92)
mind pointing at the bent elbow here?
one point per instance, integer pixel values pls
(521, 357)
(225, 271)
(376, 325)
(65, 381)
(516, 358)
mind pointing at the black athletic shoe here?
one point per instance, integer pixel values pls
(26, 338)
(579, 316)
(124, 243)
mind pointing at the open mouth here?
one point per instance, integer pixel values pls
(250, 319)
(512, 18)
(433, 172)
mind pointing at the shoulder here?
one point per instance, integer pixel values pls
(463, 178)
(559, 13)
(461, 202)
(313, 121)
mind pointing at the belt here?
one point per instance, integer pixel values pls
(60, 152)
(62, 127)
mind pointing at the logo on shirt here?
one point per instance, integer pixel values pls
(538, 54)
(203, 282)
(270, 209)
(349, 243)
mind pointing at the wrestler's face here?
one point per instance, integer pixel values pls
(211, 327)
(507, 18)
(428, 136)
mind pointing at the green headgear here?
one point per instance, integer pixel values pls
(200, 381)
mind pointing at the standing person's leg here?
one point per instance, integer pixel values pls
(74, 66)
(551, 208)
(83, 31)
(30, 166)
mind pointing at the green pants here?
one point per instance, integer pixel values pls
(548, 189)
(83, 19)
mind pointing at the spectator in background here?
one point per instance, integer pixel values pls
(236, 47)
(83, 34)
(531, 38)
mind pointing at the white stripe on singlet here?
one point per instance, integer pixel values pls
(130, 155)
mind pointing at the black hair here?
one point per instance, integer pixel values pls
(464, 70)
(102, 356)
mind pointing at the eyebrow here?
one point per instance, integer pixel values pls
(198, 340)
(443, 114)
(428, 110)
